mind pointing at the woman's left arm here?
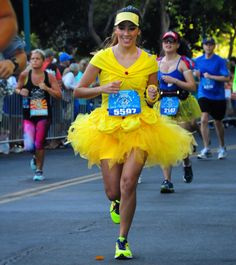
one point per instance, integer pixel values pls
(152, 89)
(54, 90)
(189, 83)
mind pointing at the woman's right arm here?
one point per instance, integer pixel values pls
(84, 91)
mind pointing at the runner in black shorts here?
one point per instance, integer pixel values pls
(212, 72)
(216, 108)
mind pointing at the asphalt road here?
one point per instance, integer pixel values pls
(65, 219)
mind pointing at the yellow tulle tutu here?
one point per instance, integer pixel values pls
(97, 136)
(188, 110)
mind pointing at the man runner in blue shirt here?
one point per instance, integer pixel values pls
(212, 72)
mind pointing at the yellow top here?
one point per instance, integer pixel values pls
(97, 136)
(134, 77)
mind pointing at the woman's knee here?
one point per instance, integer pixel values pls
(128, 185)
(113, 193)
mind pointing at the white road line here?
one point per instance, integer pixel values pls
(49, 187)
(62, 184)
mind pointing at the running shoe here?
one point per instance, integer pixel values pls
(194, 148)
(115, 211)
(188, 174)
(204, 154)
(38, 175)
(33, 163)
(167, 187)
(122, 249)
(222, 153)
(139, 180)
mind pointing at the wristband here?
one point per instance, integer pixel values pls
(147, 96)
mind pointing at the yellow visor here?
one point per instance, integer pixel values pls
(127, 16)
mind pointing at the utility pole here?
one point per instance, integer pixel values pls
(26, 12)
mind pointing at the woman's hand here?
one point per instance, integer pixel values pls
(152, 92)
(43, 86)
(111, 88)
(169, 80)
(23, 92)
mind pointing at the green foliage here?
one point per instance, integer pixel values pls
(64, 25)
(34, 40)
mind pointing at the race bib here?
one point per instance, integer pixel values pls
(169, 106)
(124, 103)
(38, 107)
(207, 83)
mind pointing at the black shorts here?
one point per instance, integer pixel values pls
(216, 108)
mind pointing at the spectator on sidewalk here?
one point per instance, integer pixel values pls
(64, 61)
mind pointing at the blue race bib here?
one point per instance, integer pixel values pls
(124, 103)
(169, 106)
(207, 83)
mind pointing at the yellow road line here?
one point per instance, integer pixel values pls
(49, 187)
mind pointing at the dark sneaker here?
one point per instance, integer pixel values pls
(38, 175)
(122, 249)
(188, 174)
(115, 211)
(167, 187)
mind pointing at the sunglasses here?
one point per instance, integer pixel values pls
(129, 28)
(169, 40)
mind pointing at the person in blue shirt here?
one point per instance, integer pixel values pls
(212, 72)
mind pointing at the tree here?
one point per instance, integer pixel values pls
(86, 24)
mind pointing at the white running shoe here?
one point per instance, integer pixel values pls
(222, 153)
(38, 176)
(204, 154)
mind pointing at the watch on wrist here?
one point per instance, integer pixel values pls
(16, 64)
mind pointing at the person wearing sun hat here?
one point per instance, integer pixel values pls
(170, 34)
(125, 133)
(212, 72)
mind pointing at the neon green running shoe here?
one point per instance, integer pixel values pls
(122, 249)
(115, 212)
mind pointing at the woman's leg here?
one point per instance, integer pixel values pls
(29, 135)
(128, 184)
(111, 179)
(40, 136)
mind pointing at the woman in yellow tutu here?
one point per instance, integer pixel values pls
(124, 134)
(176, 81)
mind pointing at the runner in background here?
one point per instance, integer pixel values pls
(212, 72)
(176, 102)
(37, 86)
